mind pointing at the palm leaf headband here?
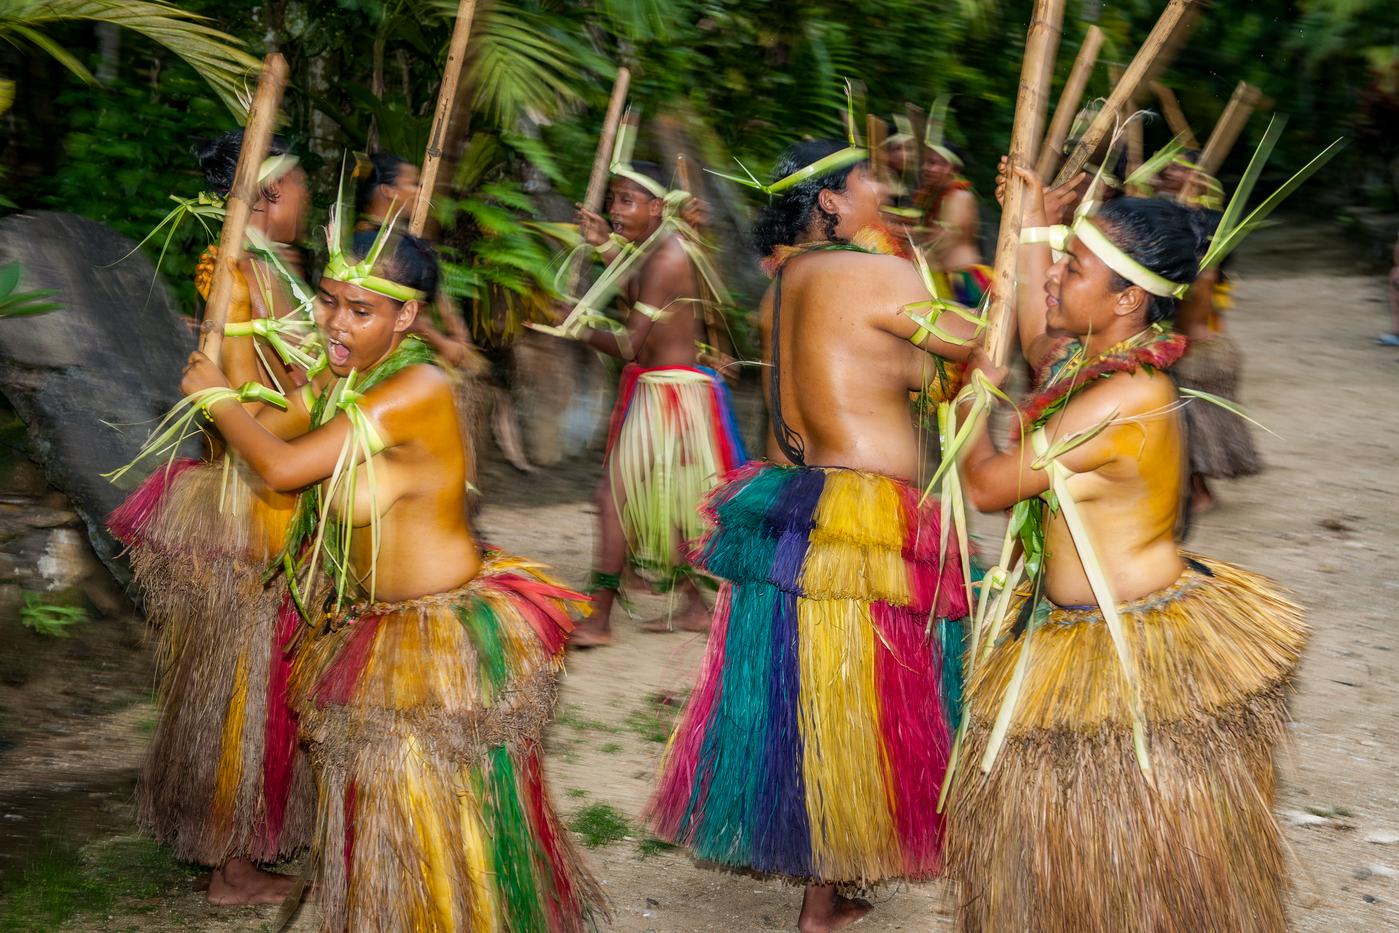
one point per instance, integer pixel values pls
(339, 269)
(936, 128)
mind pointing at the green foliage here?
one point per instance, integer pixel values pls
(66, 883)
(600, 824)
(217, 56)
(653, 846)
(22, 304)
(47, 618)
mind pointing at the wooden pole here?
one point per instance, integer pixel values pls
(442, 115)
(1031, 104)
(1162, 34)
(1067, 108)
(1226, 132)
(875, 133)
(918, 124)
(602, 159)
(1175, 117)
(257, 135)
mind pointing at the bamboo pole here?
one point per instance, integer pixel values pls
(1067, 108)
(876, 131)
(1231, 123)
(442, 115)
(1175, 117)
(602, 159)
(918, 124)
(1165, 32)
(1031, 104)
(257, 135)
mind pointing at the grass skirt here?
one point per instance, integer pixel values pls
(1066, 833)
(423, 719)
(224, 777)
(815, 741)
(673, 436)
(1221, 443)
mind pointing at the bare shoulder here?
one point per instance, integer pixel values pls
(415, 385)
(669, 260)
(1123, 395)
(876, 273)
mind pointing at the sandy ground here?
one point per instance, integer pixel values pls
(1320, 520)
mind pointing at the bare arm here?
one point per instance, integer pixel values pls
(289, 465)
(995, 480)
(897, 284)
(665, 278)
(960, 218)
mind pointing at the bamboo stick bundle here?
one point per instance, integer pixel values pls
(1031, 104)
(442, 115)
(1166, 32)
(1053, 149)
(876, 132)
(257, 135)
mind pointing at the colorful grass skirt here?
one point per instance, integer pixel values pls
(815, 741)
(224, 777)
(672, 437)
(423, 719)
(1065, 832)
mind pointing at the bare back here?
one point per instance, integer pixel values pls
(845, 370)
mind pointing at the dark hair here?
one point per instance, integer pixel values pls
(384, 169)
(790, 213)
(406, 259)
(1163, 236)
(218, 159)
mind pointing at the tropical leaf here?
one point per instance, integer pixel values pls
(22, 304)
(215, 55)
(522, 65)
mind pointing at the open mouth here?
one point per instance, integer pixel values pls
(338, 353)
(616, 226)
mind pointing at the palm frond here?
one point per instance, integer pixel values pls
(215, 55)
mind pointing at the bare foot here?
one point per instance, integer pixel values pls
(590, 634)
(824, 910)
(239, 883)
(693, 618)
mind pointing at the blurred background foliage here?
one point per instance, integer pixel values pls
(742, 77)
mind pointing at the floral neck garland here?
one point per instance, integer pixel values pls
(1067, 371)
(868, 239)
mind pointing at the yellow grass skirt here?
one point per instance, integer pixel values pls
(1066, 832)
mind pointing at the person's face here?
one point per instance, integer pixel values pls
(858, 205)
(936, 172)
(285, 207)
(1173, 178)
(1079, 294)
(360, 327)
(632, 209)
(402, 194)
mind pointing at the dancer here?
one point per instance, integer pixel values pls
(1116, 771)
(388, 186)
(953, 221)
(423, 699)
(673, 434)
(224, 783)
(815, 740)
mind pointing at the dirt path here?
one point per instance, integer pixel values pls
(1320, 520)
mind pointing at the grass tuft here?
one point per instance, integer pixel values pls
(653, 846)
(600, 825)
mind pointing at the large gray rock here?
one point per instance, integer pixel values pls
(90, 379)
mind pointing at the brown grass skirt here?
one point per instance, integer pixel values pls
(224, 777)
(1066, 833)
(1220, 442)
